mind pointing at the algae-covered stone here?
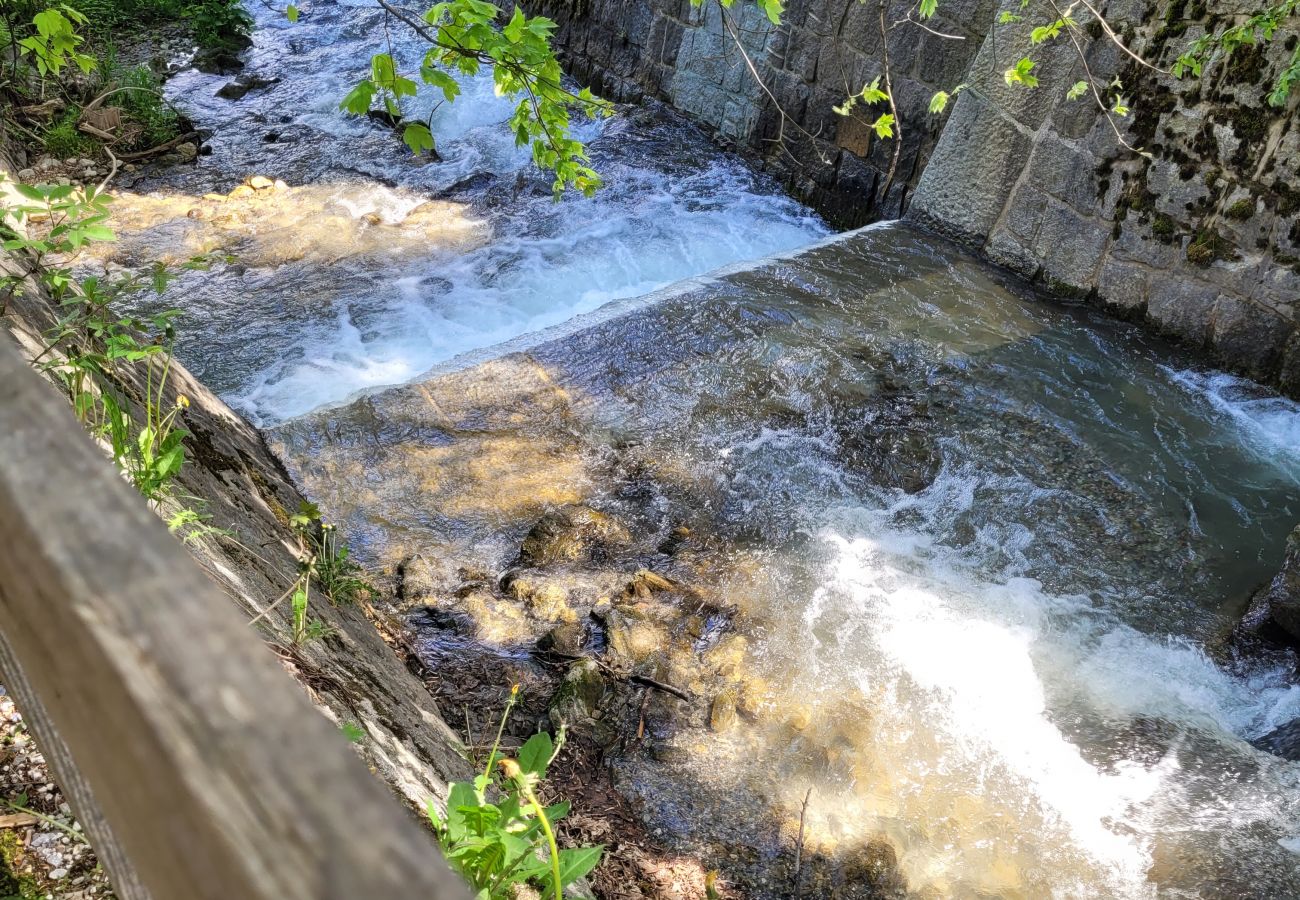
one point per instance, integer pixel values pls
(578, 698)
(722, 714)
(566, 638)
(572, 534)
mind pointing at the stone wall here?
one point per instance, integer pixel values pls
(699, 60)
(1200, 241)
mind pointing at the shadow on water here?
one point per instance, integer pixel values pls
(969, 549)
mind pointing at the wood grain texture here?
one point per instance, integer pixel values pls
(197, 765)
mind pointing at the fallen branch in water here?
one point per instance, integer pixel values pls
(798, 848)
(659, 686)
(605, 667)
(161, 148)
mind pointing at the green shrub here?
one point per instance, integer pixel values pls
(62, 139)
(497, 835)
(143, 105)
(219, 23)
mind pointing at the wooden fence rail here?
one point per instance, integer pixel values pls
(197, 766)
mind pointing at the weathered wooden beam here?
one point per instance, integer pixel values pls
(197, 766)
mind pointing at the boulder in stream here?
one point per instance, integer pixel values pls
(1283, 741)
(1278, 602)
(572, 534)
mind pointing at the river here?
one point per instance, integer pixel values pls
(981, 550)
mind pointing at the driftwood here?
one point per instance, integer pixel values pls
(161, 148)
(195, 764)
(18, 820)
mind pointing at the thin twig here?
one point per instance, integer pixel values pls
(753, 71)
(659, 686)
(921, 25)
(293, 587)
(111, 172)
(1092, 82)
(798, 848)
(1115, 39)
(893, 109)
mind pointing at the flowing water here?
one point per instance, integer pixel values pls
(980, 550)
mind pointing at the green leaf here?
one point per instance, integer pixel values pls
(535, 754)
(382, 69)
(872, 92)
(418, 137)
(939, 102)
(1077, 90)
(359, 99)
(98, 233)
(773, 10)
(291, 13)
(1020, 73)
(575, 863)
(928, 8)
(514, 29)
(459, 797)
(884, 126)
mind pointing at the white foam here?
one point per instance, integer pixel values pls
(629, 241)
(1269, 422)
(990, 664)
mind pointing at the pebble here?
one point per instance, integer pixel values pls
(56, 874)
(27, 175)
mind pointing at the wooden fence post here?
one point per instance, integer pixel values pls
(195, 763)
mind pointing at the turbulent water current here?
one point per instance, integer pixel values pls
(985, 546)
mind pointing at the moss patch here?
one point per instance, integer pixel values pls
(1208, 247)
(1164, 228)
(1241, 210)
(13, 884)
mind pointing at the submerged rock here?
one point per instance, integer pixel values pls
(1283, 741)
(1278, 602)
(566, 638)
(573, 534)
(722, 713)
(237, 89)
(579, 695)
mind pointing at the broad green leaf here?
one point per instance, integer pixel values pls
(382, 69)
(535, 754)
(1020, 73)
(1077, 90)
(939, 102)
(359, 99)
(575, 863)
(514, 29)
(872, 92)
(928, 8)
(418, 137)
(884, 126)
(291, 13)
